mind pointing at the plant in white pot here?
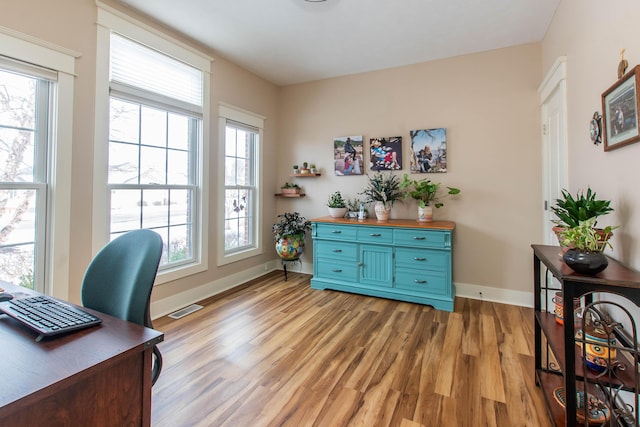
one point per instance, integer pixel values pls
(426, 193)
(383, 189)
(337, 205)
(586, 246)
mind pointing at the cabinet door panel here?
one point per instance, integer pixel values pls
(376, 265)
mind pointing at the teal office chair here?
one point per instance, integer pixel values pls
(120, 278)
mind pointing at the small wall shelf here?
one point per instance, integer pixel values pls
(305, 175)
(290, 195)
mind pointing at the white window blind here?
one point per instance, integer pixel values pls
(138, 66)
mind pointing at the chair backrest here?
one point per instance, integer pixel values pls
(120, 277)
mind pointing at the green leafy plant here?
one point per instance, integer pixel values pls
(336, 201)
(295, 166)
(382, 187)
(585, 237)
(290, 223)
(572, 210)
(425, 191)
(353, 205)
(290, 185)
(304, 165)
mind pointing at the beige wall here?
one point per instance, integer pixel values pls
(590, 34)
(488, 103)
(71, 24)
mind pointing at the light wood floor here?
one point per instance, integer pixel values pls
(276, 353)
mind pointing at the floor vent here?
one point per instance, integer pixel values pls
(185, 311)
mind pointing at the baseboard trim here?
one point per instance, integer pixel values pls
(175, 302)
(499, 295)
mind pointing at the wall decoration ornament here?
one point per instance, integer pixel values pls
(386, 153)
(428, 150)
(620, 111)
(595, 128)
(348, 155)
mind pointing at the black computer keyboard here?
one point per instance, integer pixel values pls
(48, 316)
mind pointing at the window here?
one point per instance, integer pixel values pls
(241, 133)
(36, 119)
(239, 187)
(24, 140)
(154, 177)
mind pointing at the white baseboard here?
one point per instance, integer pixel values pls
(175, 302)
(487, 293)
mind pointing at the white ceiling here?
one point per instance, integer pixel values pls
(294, 41)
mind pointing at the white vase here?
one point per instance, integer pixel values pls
(337, 212)
(382, 210)
(425, 214)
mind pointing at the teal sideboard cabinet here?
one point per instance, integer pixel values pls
(398, 259)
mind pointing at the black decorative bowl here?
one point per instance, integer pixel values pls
(585, 262)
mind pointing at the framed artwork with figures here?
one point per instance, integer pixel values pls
(428, 150)
(620, 111)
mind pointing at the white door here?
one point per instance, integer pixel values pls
(554, 143)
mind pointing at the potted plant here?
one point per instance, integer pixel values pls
(572, 210)
(290, 188)
(313, 168)
(305, 168)
(585, 254)
(425, 192)
(337, 205)
(353, 208)
(383, 189)
(289, 233)
(296, 170)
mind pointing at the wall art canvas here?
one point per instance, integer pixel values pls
(385, 153)
(348, 155)
(428, 150)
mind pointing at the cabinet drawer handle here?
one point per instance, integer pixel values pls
(419, 237)
(336, 231)
(421, 282)
(337, 250)
(337, 270)
(419, 259)
(375, 234)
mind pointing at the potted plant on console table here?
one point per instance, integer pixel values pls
(383, 189)
(425, 192)
(585, 254)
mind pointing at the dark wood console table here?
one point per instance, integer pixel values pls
(100, 376)
(559, 357)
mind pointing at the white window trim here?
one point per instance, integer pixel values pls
(109, 20)
(44, 54)
(229, 112)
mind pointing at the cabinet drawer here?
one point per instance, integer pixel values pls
(336, 232)
(330, 269)
(422, 238)
(374, 234)
(337, 250)
(422, 259)
(420, 281)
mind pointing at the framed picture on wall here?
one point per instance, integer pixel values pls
(385, 153)
(620, 111)
(428, 150)
(347, 155)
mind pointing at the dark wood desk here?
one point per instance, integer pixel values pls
(100, 376)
